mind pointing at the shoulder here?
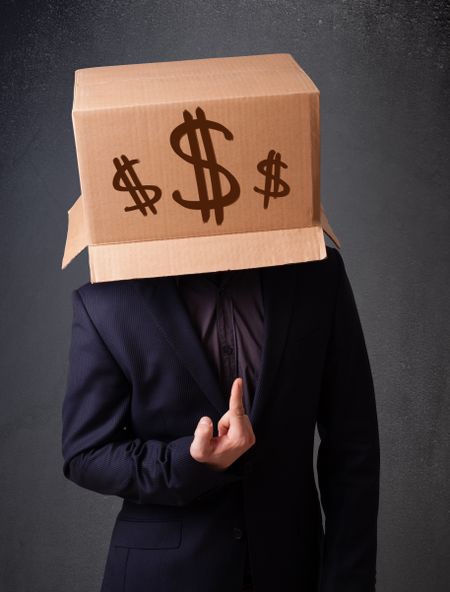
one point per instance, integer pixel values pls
(333, 256)
(90, 291)
(335, 260)
(106, 296)
(109, 306)
(327, 269)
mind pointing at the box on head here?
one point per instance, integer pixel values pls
(196, 165)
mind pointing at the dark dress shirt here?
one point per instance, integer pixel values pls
(226, 309)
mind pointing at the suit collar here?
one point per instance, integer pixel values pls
(169, 313)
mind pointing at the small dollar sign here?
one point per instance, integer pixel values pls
(274, 185)
(126, 179)
(218, 201)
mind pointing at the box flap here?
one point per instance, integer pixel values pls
(201, 254)
(76, 239)
(109, 262)
(327, 228)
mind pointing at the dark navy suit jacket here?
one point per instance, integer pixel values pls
(139, 381)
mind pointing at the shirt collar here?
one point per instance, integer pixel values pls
(218, 278)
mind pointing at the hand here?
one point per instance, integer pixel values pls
(235, 434)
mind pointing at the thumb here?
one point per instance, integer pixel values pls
(202, 437)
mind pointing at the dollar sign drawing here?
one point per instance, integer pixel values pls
(218, 201)
(126, 179)
(274, 185)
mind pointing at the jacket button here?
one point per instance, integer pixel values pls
(237, 532)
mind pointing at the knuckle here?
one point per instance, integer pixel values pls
(241, 442)
(198, 454)
(250, 439)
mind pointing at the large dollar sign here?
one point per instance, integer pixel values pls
(218, 201)
(126, 179)
(274, 185)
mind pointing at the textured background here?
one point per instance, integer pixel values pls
(382, 71)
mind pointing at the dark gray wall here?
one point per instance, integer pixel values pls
(383, 75)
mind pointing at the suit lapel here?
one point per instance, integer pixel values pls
(169, 313)
(278, 283)
(171, 316)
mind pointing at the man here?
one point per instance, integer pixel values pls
(239, 509)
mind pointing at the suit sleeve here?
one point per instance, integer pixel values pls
(99, 454)
(348, 461)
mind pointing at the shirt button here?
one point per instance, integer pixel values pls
(237, 533)
(227, 349)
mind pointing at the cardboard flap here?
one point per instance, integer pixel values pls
(327, 228)
(200, 254)
(76, 239)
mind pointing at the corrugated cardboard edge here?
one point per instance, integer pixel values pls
(76, 239)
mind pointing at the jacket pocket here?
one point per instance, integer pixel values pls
(147, 534)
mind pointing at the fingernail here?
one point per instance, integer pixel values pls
(205, 420)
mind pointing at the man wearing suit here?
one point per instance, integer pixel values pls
(150, 357)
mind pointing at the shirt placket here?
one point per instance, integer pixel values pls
(227, 339)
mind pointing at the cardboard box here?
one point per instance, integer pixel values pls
(196, 165)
